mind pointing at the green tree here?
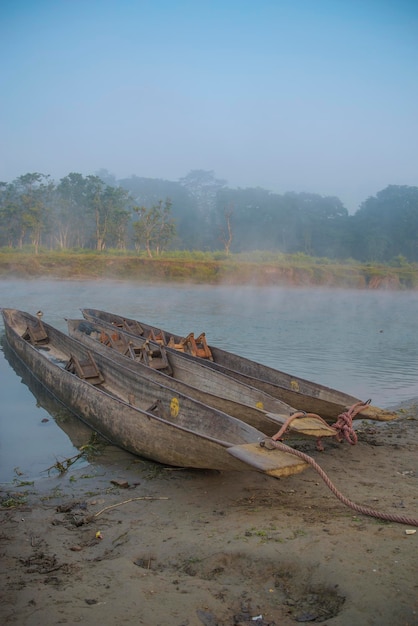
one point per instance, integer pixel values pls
(73, 227)
(31, 205)
(255, 225)
(147, 192)
(292, 222)
(387, 225)
(11, 226)
(154, 228)
(116, 216)
(109, 207)
(226, 234)
(91, 210)
(203, 187)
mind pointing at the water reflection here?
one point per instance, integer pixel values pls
(36, 448)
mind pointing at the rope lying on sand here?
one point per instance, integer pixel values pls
(400, 519)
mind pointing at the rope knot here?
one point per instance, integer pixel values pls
(344, 428)
(344, 423)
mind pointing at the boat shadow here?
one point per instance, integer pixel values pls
(76, 430)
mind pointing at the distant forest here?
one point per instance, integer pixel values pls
(200, 212)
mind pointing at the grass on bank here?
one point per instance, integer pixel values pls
(258, 267)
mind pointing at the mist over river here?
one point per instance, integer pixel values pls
(364, 343)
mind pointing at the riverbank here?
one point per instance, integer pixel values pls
(287, 271)
(130, 541)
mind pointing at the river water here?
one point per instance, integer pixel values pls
(364, 343)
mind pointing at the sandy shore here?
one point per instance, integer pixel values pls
(125, 541)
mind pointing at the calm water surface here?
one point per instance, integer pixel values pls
(363, 343)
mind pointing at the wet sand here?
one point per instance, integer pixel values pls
(126, 541)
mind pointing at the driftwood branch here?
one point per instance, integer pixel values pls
(113, 506)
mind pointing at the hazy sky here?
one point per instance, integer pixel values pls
(289, 95)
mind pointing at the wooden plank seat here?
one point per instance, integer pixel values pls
(182, 345)
(158, 336)
(199, 347)
(133, 352)
(116, 341)
(132, 326)
(87, 369)
(153, 356)
(36, 334)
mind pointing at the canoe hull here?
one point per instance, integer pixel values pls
(191, 377)
(294, 391)
(196, 437)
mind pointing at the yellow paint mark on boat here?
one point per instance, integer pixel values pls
(174, 407)
(260, 405)
(294, 385)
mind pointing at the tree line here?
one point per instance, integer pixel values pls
(200, 212)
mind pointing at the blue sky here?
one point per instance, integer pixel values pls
(294, 95)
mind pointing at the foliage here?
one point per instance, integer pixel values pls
(12, 500)
(387, 225)
(91, 211)
(199, 212)
(154, 227)
(25, 209)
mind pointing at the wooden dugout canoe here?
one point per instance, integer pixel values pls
(294, 391)
(135, 414)
(191, 377)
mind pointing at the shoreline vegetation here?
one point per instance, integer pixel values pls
(256, 269)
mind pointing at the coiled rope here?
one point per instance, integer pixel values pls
(389, 517)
